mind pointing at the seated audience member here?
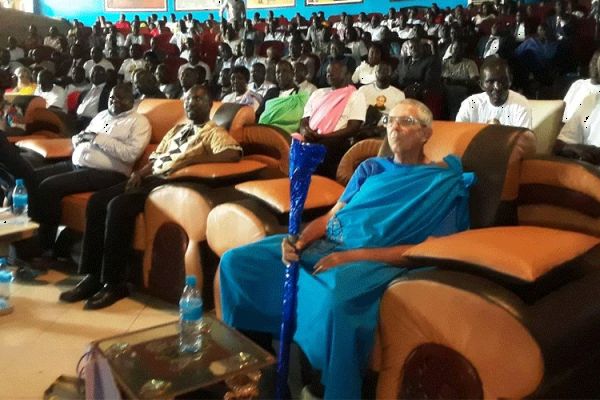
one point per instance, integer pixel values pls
(582, 88)
(579, 138)
(133, 63)
(273, 34)
(377, 30)
(25, 84)
(365, 73)
(224, 84)
(560, 25)
(497, 104)
(39, 62)
(538, 56)
(429, 48)
(78, 81)
(403, 31)
(33, 38)
(357, 47)
(97, 38)
(54, 95)
(195, 62)
(417, 69)
(225, 59)
(336, 53)
(135, 37)
(54, 39)
(114, 44)
(380, 95)
(122, 24)
(103, 155)
(241, 94)
(317, 35)
(284, 104)
(484, 14)
(259, 84)
(273, 57)
(111, 212)
(458, 70)
(97, 58)
(491, 44)
(6, 64)
(16, 52)
(300, 77)
(94, 100)
(172, 90)
(188, 78)
(145, 86)
(349, 255)
(295, 51)
(333, 116)
(520, 29)
(247, 59)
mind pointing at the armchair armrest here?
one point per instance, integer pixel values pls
(267, 143)
(51, 149)
(228, 170)
(561, 193)
(323, 192)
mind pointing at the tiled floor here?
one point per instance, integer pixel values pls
(44, 338)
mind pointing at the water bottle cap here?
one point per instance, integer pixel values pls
(190, 280)
(6, 276)
(19, 181)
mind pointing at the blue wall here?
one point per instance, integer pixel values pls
(87, 10)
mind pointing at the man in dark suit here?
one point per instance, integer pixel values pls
(94, 100)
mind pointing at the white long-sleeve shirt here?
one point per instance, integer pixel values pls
(119, 142)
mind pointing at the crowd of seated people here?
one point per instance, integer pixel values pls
(331, 81)
(431, 51)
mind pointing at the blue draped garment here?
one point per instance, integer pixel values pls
(388, 204)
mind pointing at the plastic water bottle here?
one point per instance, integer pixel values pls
(6, 278)
(19, 202)
(190, 317)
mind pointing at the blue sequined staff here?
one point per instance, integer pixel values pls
(304, 159)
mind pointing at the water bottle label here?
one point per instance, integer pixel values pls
(190, 310)
(19, 200)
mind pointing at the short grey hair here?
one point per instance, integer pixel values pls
(425, 115)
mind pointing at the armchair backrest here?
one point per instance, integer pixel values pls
(494, 153)
(234, 117)
(163, 114)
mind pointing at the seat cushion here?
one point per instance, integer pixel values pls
(48, 148)
(522, 252)
(219, 170)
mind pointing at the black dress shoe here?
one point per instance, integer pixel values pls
(108, 295)
(84, 289)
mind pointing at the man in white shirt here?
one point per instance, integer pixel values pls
(94, 100)
(300, 72)
(582, 88)
(16, 52)
(380, 94)
(195, 62)
(248, 59)
(135, 37)
(580, 137)
(133, 63)
(258, 84)
(97, 59)
(54, 95)
(365, 73)
(349, 120)
(376, 30)
(497, 104)
(103, 156)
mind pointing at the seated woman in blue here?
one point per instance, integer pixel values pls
(349, 255)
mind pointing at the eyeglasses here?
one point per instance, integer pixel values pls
(403, 121)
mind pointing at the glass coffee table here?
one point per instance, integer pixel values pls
(148, 364)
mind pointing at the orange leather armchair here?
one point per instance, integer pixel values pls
(175, 214)
(507, 309)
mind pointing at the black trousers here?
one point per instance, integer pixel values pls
(49, 184)
(109, 230)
